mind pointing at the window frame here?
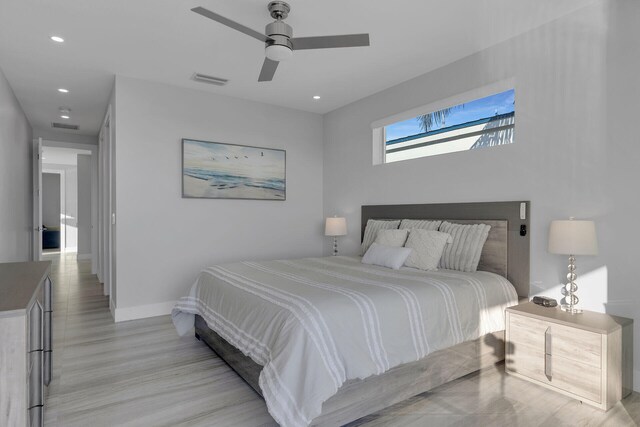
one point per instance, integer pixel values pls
(378, 126)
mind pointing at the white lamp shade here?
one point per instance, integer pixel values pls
(571, 237)
(335, 226)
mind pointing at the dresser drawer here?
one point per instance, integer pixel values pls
(577, 345)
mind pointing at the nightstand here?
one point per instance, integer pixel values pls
(587, 356)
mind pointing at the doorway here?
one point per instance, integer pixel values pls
(66, 210)
(67, 199)
(53, 232)
(106, 211)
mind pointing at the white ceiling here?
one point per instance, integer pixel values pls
(61, 156)
(161, 40)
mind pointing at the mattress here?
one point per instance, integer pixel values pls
(315, 323)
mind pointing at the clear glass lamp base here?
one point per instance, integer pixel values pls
(569, 290)
(570, 309)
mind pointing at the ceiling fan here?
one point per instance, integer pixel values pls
(278, 40)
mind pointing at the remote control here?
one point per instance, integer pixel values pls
(545, 301)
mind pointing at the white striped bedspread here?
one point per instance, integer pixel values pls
(315, 323)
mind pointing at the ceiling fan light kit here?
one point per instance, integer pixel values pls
(278, 38)
(276, 52)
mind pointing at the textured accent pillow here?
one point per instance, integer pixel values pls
(427, 246)
(463, 254)
(371, 231)
(386, 256)
(425, 224)
(392, 237)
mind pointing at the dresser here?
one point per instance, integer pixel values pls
(587, 356)
(25, 341)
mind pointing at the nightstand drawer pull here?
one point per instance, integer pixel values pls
(547, 353)
(547, 341)
(547, 366)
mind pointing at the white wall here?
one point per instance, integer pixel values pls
(576, 150)
(15, 178)
(618, 235)
(51, 199)
(164, 240)
(84, 205)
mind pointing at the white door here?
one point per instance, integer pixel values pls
(37, 200)
(101, 220)
(106, 209)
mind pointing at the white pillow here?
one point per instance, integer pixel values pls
(464, 252)
(371, 231)
(425, 224)
(386, 256)
(395, 238)
(427, 248)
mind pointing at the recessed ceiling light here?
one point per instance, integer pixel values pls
(316, 96)
(62, 90)
(57, 39)
(64, 117)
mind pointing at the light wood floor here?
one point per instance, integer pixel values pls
(140, 373)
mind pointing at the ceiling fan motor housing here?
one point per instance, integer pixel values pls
(280, 34)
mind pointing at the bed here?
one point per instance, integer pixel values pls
(281, 324)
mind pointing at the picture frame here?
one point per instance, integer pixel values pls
(216, 170)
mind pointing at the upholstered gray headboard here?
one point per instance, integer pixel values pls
(506, 251)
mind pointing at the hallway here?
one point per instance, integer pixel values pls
(137, 373)
(140, 373)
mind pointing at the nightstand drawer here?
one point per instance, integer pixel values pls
(565, 374)
(574, 344)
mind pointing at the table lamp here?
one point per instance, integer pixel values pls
(335, 226)
(572, 237)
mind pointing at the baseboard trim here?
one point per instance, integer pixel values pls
(81, 257)
(143, 311)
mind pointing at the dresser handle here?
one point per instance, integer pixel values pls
(547, 354)
(47, 345)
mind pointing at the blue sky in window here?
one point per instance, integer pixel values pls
(499, 103)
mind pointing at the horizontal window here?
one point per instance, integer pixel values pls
(484, 122)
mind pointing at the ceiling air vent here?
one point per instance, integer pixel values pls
(65, 126)
(209, 79)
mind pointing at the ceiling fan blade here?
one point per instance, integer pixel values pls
(229, 23)
(324, 42)
(268, 70)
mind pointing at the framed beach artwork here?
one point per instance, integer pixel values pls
(213, 170)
